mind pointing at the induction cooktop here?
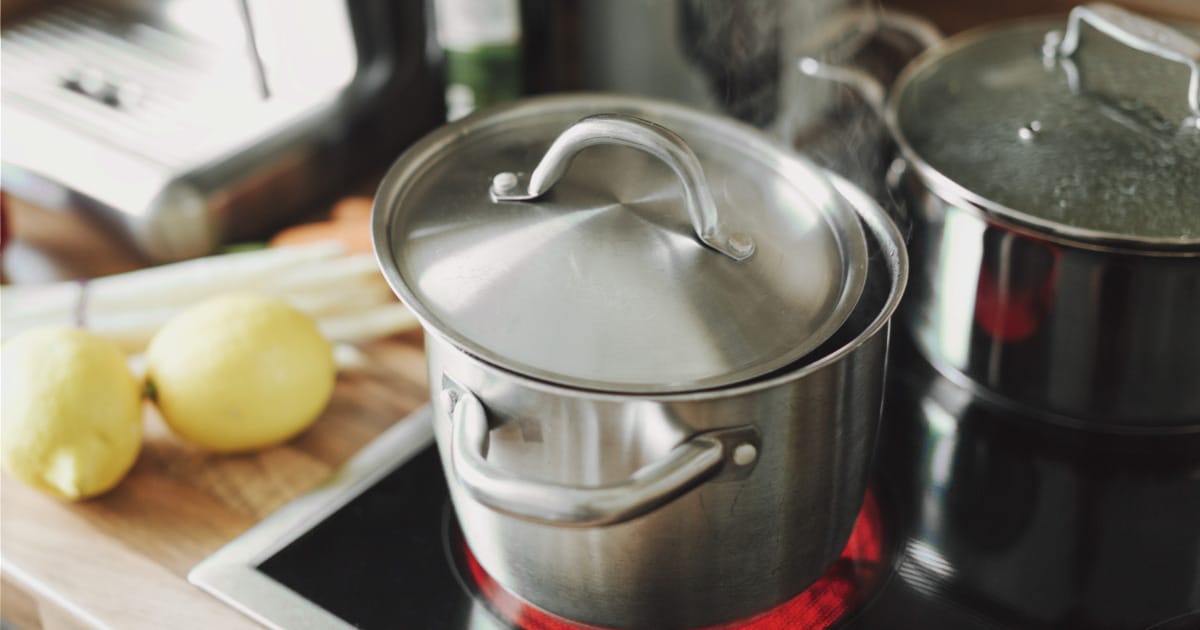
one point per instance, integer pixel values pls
(977, 518)
(378, 547)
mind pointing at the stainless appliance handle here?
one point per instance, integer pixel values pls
(630, 131)
(1139, 33)
(686, 466)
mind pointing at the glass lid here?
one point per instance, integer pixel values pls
(1088, 129)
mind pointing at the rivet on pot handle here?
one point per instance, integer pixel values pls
(1136, 32)
(640, 134)
(725, 453)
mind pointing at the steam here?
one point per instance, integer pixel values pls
(748, 51)
(739, 58)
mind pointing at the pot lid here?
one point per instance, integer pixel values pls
(1088, 129)
(651, 249)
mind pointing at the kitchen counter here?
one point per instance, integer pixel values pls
(121, 560)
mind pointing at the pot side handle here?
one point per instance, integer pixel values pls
(686, 466)
(866, 85)
(874, 92)
(637, 133)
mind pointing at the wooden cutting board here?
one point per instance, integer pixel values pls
(121, 560)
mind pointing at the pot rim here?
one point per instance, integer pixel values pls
(891, 242)
(959, 195)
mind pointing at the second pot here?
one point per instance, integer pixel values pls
(1056, 216)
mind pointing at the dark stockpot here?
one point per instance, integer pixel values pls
(1053, 179)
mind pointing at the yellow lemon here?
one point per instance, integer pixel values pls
(71, 412)
(240, 372)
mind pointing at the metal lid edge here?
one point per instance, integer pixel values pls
(425, 152)
(891, 242)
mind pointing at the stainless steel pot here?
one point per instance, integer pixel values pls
(1053, 184)
(649, 506)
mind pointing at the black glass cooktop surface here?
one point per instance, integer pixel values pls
(381, 561)
(986, 521)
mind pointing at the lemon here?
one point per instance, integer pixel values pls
(72, 412)
(240, 372)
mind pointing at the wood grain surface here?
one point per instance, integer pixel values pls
(121, 560)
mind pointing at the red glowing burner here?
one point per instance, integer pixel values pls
(843, 588)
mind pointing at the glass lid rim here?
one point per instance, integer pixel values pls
(951, 190)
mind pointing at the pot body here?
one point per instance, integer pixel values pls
(1100, 336)
(736, 542)
(724, 550)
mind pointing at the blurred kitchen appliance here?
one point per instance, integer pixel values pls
(732, 57)
(185, 124)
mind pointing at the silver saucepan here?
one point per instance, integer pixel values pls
(658, 358)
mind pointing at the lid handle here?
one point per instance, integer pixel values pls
(1139, 33)
(646, 136)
